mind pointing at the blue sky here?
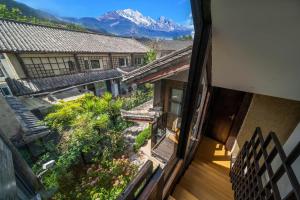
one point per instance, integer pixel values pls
(177, 10)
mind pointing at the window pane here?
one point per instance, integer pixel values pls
(175, 108)
(5, 91)
(86, 64)
(121, 61)
(1, 73)
(95, 64)
(176, 95)
(71, 65)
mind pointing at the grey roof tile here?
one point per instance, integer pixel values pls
(49, 84)
(25, 37)
(159, 64)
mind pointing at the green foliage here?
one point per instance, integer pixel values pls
(16, 14)
(143, 94)
(142, 138)
(105, 181)
(150, 56)
(89, 128)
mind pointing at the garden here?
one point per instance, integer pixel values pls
(91, 154)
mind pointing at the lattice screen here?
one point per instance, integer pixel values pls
(262, 170)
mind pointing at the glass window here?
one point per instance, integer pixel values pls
(2, 56)
(121, 62)
(5, 91)
(175, 108)
(71, 65)
(138, 61)
(86, 64)
(175, 101)
(1, 72)
(95, 64)
(176, 95)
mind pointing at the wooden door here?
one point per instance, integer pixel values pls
(224, 109)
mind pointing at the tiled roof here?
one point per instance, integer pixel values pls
(169, 45)
(171, 60)
(25, 37)
(31, 126)
(49, 84)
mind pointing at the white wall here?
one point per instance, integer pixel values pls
(256, 46)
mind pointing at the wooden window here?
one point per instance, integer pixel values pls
(2, 56)
(86, 64)
(121, 62)
(39, 67)
(5, 91)
(71, 65)
(176, 101)
(138, 61)
(95, 64)
(1, 71)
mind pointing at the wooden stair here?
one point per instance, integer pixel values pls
(204, 179)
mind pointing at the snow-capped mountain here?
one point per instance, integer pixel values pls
(130, 22)
(136, 17)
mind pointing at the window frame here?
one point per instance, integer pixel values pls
(171, 100)
(2, 74)
(95, 60)
(8, 90)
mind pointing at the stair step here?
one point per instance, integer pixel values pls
(181, 193)
(210, 167)
(171, 198)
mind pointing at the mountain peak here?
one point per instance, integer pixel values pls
(136, 17)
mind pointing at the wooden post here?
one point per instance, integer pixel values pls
(20, 60)
(111, 60)
(132, 59)
(77, 63)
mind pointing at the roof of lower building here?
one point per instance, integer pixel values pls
(50, 84)
(167, 65)
(31, 125)
(26, 37)
(168, 45)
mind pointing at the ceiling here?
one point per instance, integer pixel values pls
(256, 46)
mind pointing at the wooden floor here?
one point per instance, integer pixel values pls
(207, 178)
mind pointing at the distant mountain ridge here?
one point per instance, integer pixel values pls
(127, 22)
(130, 22)
(27, 10)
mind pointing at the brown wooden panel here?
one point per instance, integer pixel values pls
(224, 109)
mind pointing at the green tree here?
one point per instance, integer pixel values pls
(150, 56)
(17, 15)
(90, 135)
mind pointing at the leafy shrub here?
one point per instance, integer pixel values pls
(142, 138)
(149, 57)
(89, 129)
(143, 94)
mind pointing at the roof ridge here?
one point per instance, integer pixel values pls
(62, 28)
(164, 58)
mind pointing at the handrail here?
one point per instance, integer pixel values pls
(138, 183)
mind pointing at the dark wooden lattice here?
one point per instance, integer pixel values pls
(254, 174)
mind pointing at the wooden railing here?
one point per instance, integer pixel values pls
(262, 170)
(160, 124)
(138, 183)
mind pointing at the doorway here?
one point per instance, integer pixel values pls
(227, 111)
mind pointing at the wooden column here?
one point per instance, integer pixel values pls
(132, 59)
(77, 63)
(20, 60)
(111, 60)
